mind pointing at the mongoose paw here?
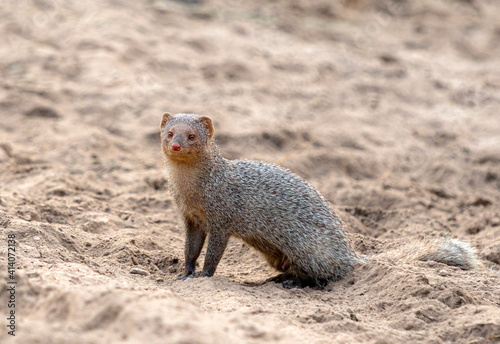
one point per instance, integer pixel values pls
(288, 281)
(291, 283)
(185, 276)
(302, 282)
(203, 274)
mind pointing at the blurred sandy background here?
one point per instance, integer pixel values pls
(389, 108)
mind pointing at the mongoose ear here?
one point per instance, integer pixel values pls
(207, 123)
(164, 119)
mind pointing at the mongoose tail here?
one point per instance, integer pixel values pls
(443, 250)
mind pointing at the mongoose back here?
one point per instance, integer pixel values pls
(268, 207)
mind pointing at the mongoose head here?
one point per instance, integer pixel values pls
(184, 137)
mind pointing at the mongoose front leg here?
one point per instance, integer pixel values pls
(216, 245)
(195, 237)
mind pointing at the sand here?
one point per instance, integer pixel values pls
(389, 108)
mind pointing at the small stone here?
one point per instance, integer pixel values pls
(139, 271)
(443, 272)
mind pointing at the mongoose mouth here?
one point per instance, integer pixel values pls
(179, 154)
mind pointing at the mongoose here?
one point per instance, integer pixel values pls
(269, 208)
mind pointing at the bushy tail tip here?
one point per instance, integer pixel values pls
(444, 250)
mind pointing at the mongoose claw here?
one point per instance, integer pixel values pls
(184, 277)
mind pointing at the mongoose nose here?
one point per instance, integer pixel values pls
(176, 147)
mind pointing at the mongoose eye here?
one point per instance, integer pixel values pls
(170, 134)
(191, 137)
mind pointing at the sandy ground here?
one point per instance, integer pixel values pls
(389, 108)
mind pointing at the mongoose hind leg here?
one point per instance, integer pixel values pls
(302, 282)
(290, 280)
(291, 276)
(287, 280)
